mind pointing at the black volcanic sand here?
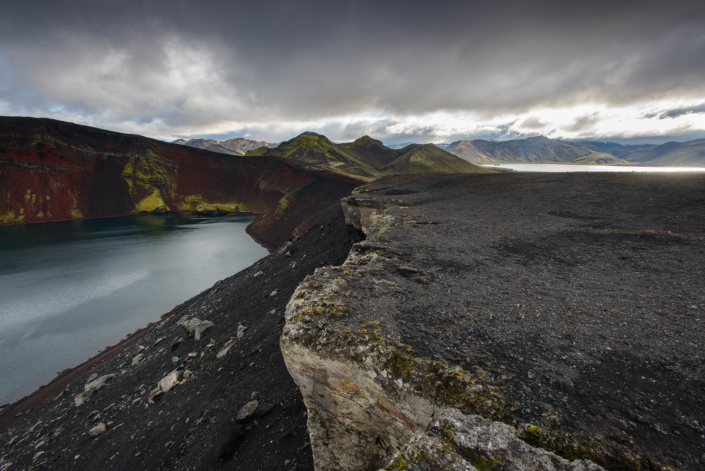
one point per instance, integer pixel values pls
(184, 428)
(581, 295)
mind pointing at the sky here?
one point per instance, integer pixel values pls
(399, 71)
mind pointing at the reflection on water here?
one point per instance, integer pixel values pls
(69, 289)
(557, 168)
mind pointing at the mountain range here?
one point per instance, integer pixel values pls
(368, 158)
(531, 150)
(543, 150)
(237, 146)
(689, 153)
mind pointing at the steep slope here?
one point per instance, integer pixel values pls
(691, 153)
(531, 150)
(368, 158)
(51, 170)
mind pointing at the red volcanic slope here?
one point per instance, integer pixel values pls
(52, 170)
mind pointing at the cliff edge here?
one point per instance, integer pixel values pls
(513, 321)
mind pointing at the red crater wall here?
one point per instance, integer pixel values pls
(52, 170)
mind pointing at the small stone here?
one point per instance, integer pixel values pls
(174, 359)
(193, 355)
(97, 430)
(258, 274)
(37, 455)
(254, 395)
(194, 327)
(137, 360)
(247, 411)
(223, 351)
(92, 386)
(169, 381)
(272, 312)
(34, 427)
(55, 433)
(273, 293)
(241, 331)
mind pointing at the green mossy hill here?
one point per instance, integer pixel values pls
(532, 150)
(427, 158)
(374, 152)
(368, 158)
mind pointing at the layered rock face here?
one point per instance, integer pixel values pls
(471, 331)
(51, 170)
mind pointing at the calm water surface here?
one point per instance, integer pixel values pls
(553, 168)
(69, 289)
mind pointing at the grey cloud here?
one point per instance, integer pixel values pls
(532, 123)
(674, 113)
(584, 123)
(185, 64)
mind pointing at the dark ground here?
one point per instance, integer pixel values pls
(582, 295)
(184, 428)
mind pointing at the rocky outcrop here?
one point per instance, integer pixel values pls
(51, 170)
(368, 395)
(437, 319)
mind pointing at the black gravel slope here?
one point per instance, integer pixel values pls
(194, 423)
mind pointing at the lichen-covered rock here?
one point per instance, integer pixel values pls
(457, 441)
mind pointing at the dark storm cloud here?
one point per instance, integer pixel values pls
(188, 63)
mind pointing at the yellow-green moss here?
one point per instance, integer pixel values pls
(11, 217)
(284, 203)
(151, 202)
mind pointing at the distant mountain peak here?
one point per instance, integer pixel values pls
(366, 140)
